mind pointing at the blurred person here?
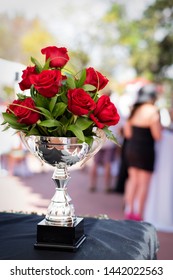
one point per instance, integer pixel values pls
(17, 158)
(105, 157)
(170, 127)
(122, 173)
(141, 130)
(5, 143)
(124, 105)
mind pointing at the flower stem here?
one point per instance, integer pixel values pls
(31, 109)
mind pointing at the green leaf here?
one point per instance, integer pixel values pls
(59, 109)
(12, 121)
(46, 66)
(33, 131)
(6, 127)
(21, 96)
(64, 98)
(110, 135)
(77, 132)
(4, 122)
(39, 67)
(89, 140)
(49, 123)
(46, 113)
(41, 101)
(71, 82)
(54, 129)
(88, 87)
(32, 92)
(82, 79)
(52, 103)
(64, 121)
(83, 123)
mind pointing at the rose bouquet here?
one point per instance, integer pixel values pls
(61, 104)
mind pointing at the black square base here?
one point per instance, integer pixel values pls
(60, 237)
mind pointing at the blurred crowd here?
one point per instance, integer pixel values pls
(13, 154)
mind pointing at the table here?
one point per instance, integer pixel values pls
(106, 239)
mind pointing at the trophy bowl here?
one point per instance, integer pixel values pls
(61, 228)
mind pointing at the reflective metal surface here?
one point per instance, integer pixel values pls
(62, 152)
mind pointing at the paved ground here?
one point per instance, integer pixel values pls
(33, 194)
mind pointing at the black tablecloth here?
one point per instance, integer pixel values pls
(106, 239)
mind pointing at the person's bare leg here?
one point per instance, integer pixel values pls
(142, 191)
(107, 176)
(11, 165)
(130, 189)
(93, 177)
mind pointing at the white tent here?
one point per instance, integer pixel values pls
(8, 70)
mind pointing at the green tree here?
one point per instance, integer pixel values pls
(148, 40)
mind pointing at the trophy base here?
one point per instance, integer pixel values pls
(60, 237)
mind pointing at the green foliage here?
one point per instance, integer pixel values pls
(80, 81)
(149, 52)
(89, 87)
(77, 132)
(115, 13)
(110, 135)
(59, 109)
(45, 112)
(37, 64)
(49, 123)
(71, 82)
(12, 121)
(52, 103)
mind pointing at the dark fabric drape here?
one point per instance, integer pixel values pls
(106, 239)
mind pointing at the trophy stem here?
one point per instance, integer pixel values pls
(61, 211)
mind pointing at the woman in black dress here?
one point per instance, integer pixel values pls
(141, 130)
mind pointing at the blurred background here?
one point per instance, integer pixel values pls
(123, 39)
(130, 42)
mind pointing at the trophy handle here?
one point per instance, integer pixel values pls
(98, 142)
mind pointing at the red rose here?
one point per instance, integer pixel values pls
(47, 83)
(26, 83)
(105, 113)
(24, 115)
(80, 102)
(58, 56)
(95, 78)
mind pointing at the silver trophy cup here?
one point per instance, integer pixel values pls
(61, 228)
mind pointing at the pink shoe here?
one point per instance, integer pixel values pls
(134, 217)
(128, 216)
(137, 217)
